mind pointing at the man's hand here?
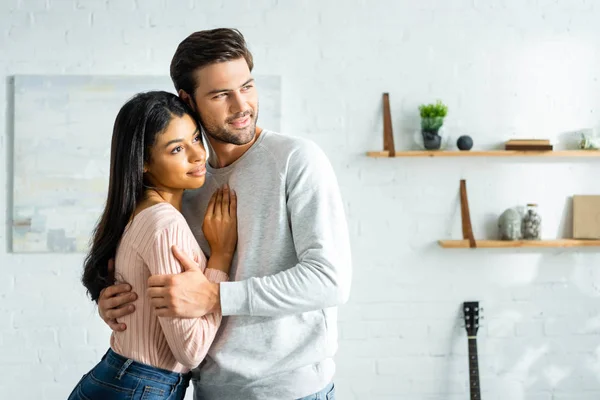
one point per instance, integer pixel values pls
(115, 302)
(185, 295)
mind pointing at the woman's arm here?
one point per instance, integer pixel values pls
(188, 339)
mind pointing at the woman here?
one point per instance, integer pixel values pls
(156, 154)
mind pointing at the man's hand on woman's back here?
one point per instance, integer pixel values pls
(115, 302)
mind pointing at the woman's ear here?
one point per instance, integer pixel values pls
(145, 167)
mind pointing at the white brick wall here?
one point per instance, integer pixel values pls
(504, 67)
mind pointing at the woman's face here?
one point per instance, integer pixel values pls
(177, 158)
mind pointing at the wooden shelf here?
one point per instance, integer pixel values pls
(488, 153)
(497, 244)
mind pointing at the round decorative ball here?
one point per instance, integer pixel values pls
(464, 142)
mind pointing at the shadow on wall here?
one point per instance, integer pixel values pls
(554, 343)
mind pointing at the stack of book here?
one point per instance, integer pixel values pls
(528, 145)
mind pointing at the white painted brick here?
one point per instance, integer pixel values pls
(529, 329)
(6, 286)
(7, 318)
(68, 337)
(353, 330)
(15, 382)
(557, 328)
(19, 355)
(18, 35)
(60, 6)
(382, 386)
(578, 396)
(109, 19)
(70, 374)
(33, 318)
(354, 367)
(451, 386)
(185, 17)
(117, 5)
(15, 19)
(8, 6)
(38, 338)
(92, 5)
(501, 328)
(405, 366)
(401, 329)
(504, 67)
(152, 5)
(95, 39)
(55, 390)
(33, 5)
(29, 392)
(70, 355)
(98, 333)
(14, 300)
(72, 19)
(42, 282)
(18, 373)
(379, 312)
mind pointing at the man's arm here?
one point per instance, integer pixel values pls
(322, 277)
(116, 301)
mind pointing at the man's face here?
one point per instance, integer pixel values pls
(227, 101)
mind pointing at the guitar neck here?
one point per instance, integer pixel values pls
(473, 370)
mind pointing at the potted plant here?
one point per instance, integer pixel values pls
(432, 119)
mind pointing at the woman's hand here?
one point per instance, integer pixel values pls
(220, 225)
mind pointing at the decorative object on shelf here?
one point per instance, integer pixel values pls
(590, 140)
(464, 143)
(529, 145)
(586, 217)
(510, 224)
(432, 119)
(532, 222)
(444, 141)
(388, 135)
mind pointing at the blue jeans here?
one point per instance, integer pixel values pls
(326, 394)
(117, 378)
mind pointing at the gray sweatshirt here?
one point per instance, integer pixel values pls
(292, 268)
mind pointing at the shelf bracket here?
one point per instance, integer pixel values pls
(467, 228)
(388, 136)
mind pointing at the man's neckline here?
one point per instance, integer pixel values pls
(228, 168)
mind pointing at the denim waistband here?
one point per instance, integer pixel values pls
(144, 371)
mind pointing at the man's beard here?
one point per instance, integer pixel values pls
(234, 136)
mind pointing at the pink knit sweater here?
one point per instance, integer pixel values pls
(174, 344)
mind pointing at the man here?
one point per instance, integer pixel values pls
(292, 265)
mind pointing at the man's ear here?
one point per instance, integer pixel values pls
(187, 99)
